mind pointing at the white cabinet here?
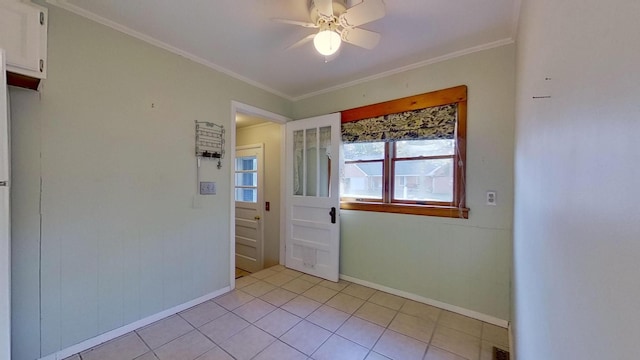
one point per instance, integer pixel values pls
(23, 35)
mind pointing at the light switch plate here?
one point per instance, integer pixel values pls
(207, 188)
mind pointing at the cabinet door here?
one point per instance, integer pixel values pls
(23, 36)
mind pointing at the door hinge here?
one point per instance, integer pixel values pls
(4, 183)
(41, 65)
(41, 18)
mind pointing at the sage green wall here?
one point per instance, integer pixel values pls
(269, 134)
(111, 137)
(465, 263)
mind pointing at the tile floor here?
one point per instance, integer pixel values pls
(282, 314)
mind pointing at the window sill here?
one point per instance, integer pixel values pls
(438, 211)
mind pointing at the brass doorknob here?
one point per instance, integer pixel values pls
(256, 217)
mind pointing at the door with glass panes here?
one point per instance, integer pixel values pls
(313, 202)
(249, 218)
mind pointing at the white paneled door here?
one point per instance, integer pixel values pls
(5, 233)
(249, 199)
(313, 201)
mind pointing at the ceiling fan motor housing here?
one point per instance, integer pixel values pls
(339, 6)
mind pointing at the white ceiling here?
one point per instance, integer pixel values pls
(244, 120)
(239, 38)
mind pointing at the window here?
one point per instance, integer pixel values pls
(246, 179)
(406, 155)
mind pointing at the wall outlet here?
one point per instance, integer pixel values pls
(491, 198)
(207, 188)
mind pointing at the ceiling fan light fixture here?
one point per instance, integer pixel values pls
(327, 42)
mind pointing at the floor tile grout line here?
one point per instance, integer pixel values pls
(216, 344)
(144, 342)
(339, 289)
(331, 332)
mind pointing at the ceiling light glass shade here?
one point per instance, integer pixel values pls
(327, 42)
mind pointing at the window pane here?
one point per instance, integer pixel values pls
(364, 151)
(415, 148)
(298, 162)
(247, 179)
(424, 180)
(362, 180)
(325, 162)
(247, 195)
(246, 163)
(312, 155)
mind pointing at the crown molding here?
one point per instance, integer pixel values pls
(455, 54)
(517, 5)
(64, 4)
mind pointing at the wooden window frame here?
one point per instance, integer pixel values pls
(457, 208)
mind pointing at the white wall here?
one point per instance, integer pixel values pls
(111, 138)
(577, 220)
(465, 263)
(269, 134)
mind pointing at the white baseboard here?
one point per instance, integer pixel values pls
(439, 304)
(88, 344)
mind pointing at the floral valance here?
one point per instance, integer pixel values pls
(438, 122)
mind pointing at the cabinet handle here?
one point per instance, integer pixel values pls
(41, 18)
(41, 65)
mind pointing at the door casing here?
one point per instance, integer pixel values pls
(5, 221)
(238, 107)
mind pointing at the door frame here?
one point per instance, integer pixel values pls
(241, 108)
(5, 234)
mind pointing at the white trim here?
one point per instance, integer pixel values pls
(439, 304)
(232, 197)
(95, 341)
(517, 5)
(283, 192)
(257, 112)
(413, 66)
(64, 4)
(5, 213)
(238, 107)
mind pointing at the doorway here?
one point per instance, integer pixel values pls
(255, 126)
(249, 193)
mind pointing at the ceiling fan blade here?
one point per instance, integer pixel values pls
(360, 37)
(324, 7)
(303, 41)
(366, 11)
(296, 22)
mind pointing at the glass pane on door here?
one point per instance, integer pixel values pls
(246, 179)
(298, 162)
(324, 160)
(312, 162)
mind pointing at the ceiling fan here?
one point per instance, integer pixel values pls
(337, 23)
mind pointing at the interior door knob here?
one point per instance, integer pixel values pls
(256, 217)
